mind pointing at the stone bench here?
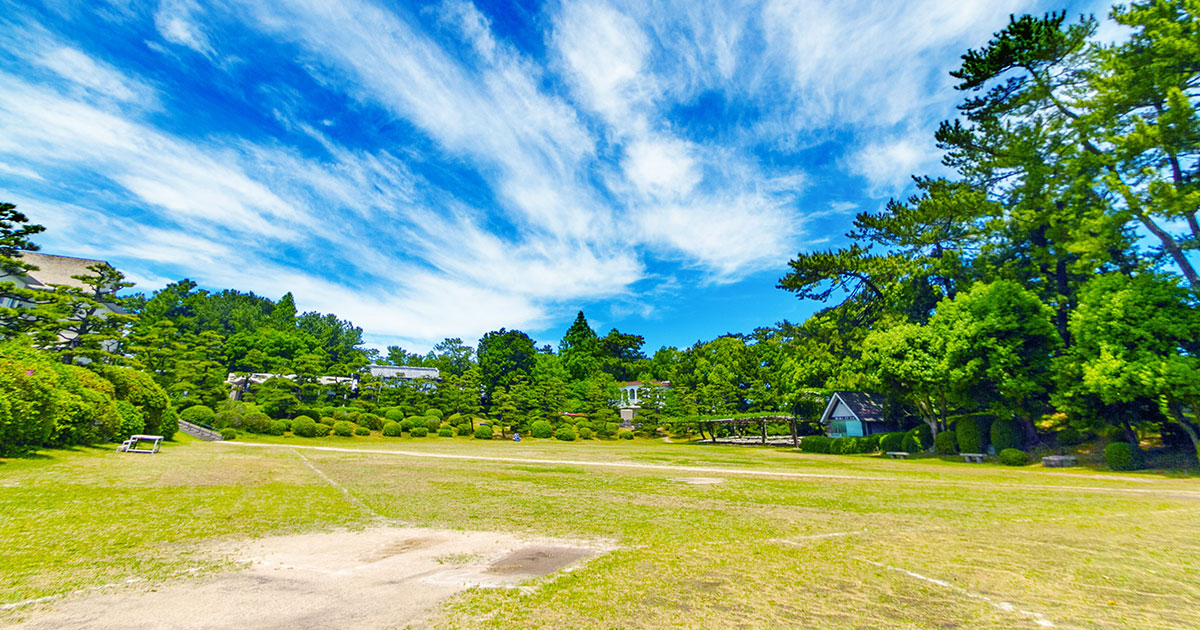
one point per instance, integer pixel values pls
(897, 454)
(1059, 461)
(976, 458)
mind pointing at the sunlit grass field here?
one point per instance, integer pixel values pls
(837, 542)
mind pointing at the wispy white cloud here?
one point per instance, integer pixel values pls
(888, 164)
(177, 23)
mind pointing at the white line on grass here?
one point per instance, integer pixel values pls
(353, 499)
(1037, 617)
(706, 469)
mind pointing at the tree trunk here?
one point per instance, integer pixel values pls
(1182, 421)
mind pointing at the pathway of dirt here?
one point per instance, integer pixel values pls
(384, 577)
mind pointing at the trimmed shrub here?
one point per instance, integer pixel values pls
(420, 431)
(1069, 436)
(199, 414)
(395, 414)
(304, 427)
(433, 424)
(258, 422)
(169, 425)
(889, 443)
(433, 412)
(141, 390)
(370, 421)
(606, 429)
(1006, 434)
(565, 433)
(463, 429)
(836, 445)
(483, 432)
(288, 423)
(327, 421)
(541, 429)
(625, 434)
(586, 433)
(228, 433)
(968, 435)
(322, 430)
(446, 431)
(408, 423)
(1122, 456)
(946, 443)
(1013, 457)
(815, 444)
(917, 439)
(310, 413)
(277, 427)
(343, 429)
(910, 444)
(360, 430)
(392, 429)
(132, 420)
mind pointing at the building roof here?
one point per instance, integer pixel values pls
(865, 406)
(53, 270)
(640, 383)
(402, 371)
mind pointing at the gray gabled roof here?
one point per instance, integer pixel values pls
(865, 406)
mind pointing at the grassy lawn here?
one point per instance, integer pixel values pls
(844, 542)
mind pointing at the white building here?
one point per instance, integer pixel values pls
(631, 397)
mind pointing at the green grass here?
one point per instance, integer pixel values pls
(1084, 549)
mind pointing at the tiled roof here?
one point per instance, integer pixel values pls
(58, 270)
(867, 406)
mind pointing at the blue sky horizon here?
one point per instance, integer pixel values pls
(442, 169)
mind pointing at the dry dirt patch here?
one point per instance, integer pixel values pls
(379, 578)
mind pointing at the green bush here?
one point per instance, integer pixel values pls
(169, 425)
(1006, 434)
(327, 421)
(1122, 456)
(836, 445)
(968, 435)
(625, 434)
(199, 414)
(361, 430)
(446, 431)
(343, 429)
(889, 443)
(395, 414)
(276, 428)
(607, 429)
(483, 432)
(433, 424)
(586, 433)
(917, 439)
(419, 431)
(433, 412)
(305, 427)
(228, 433)
(408, 423)
(1070, 436)
(141, 390)
(815, 444)
(257, 422)
(370, 421)
(463, 429)
(565, 433)
(541, 429)
(322, 430)
(132, 420)
(309, 413)
(392, 429)
(1013, 457)
(288, 423)
(946, 443)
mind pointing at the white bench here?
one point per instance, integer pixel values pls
(898, 454)
(976, 458)
(133, 444)
(1059, 461)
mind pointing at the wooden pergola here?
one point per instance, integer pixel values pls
(760, 420)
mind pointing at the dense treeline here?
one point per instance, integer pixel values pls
(1052, 279)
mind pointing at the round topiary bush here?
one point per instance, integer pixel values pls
(408, 423)
(923, 434)
(1013, 457)
(1122, 456)
(392, 429)
(463, 429)
(946, 443)
(970, 438)
(362, 431)
(1006, 434)
(278, 427)
(484, 432)
(370, 421)
(228, 433)
(836, 445)
(198, 414)
(311, 413)
(258, 422)
(433, 424)
(815, 444)
(322, 430)
(433, 412)
(889, 443)
(446, 431)
(343, 429)
(565, 433)
(910, 443)
(395, 414)
(625, 434)
(1069, 436)
(541, 429)
(419, 431)
(327, 421)
(586, 433)
(304, 427)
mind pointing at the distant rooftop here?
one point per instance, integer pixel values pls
(402, 371)
(53, 270)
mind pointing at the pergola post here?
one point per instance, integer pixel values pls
(795, 434)
(763, 424)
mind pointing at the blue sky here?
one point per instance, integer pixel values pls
(441, 169)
